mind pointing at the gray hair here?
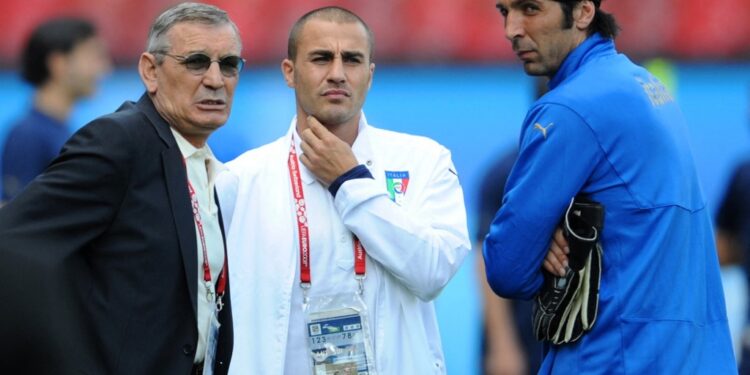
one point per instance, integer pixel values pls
(158, 43)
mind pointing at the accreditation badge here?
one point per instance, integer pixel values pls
(338, 336)
(211, 343)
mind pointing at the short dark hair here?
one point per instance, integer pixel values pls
(56, 35)
(603, 23)
(329, 13)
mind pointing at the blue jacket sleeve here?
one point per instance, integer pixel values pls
(558, 154)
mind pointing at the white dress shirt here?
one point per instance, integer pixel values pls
(202, 169)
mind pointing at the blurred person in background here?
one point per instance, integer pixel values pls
(340, 234)
(63, 59)
(733, 245)
(508, 343)
(114, 256)
(608, 131)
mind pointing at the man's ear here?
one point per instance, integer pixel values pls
(287, 69)
(583, 14)
(147, 69)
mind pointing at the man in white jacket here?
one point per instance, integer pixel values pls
(340, 234)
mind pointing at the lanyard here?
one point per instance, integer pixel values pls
(221, 283)
(303, 231)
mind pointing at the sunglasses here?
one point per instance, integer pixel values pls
(199, 63)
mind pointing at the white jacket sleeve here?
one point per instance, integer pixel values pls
(423, 245)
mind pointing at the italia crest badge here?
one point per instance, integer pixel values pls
(397, 182)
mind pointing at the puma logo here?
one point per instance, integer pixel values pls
(542, 129)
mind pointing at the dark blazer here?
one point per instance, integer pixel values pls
(98, 257)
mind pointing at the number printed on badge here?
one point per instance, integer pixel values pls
(318, 340)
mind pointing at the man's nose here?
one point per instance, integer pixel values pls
(336, 72)
(213, 77)
(513, 26)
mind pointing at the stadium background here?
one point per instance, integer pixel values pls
(444, 70)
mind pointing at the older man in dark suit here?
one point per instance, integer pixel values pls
(113, 260)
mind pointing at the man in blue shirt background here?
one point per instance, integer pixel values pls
(608, 130)
(63, 59)
(733, 245)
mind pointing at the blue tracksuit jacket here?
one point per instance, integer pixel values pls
(610, 130)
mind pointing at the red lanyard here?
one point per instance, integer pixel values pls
(303, 230)
(221, 283)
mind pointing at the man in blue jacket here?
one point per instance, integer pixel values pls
(610, 131)
(63, 59)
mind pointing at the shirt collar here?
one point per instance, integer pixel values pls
(594, 46)
(361, 147)
(46, 118)
(188, 151)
